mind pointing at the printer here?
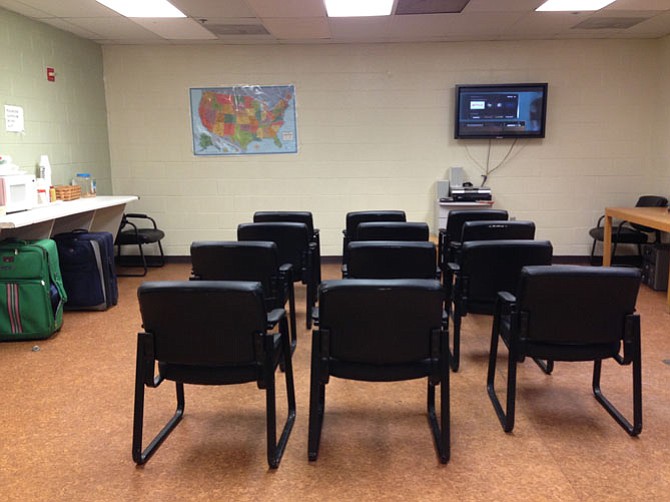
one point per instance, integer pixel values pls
(469, 193)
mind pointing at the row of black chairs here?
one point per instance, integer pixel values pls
(486, 261)
(384, 329)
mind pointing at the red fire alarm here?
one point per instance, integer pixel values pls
(51, 74)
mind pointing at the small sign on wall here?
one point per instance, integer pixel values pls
(14, 118)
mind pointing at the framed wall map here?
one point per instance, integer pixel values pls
(244, 119)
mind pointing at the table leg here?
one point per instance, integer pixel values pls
(607, 243)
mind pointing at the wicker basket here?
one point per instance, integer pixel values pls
(68, 192)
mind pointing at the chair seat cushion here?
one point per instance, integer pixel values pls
(208, 375)
(143, 236)
(379, 372)
(568, 352)
(625, 235)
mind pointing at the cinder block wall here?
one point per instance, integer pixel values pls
(65, 119)
(375, 131)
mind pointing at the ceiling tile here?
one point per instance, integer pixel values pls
(214, 8)
(72, 8)
(297, 28)
(176, 28)
(22, 8)
(360, 28)
(502, 5)
(113, 28)
(639, 5)
(288, 8)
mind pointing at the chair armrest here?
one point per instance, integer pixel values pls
(453, 268)
(274, 316)
(315, 316)
(141, 216)
(505, 303)
(507, 297)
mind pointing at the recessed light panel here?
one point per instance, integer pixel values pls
(143, 8)
(573, 5)
(358, 8)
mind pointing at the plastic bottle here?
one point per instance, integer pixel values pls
(87, 184)
(45, 169)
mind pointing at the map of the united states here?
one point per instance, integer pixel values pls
(232, 119)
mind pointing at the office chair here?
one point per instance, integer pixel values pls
(386, 231)
(484, 268)
(210, 333)
(487, 230)
(392, 260)
(354, 218)
(625, 232)
(392, 231)
(450, 236)
(294, 246)
(248, 261)
(297, 217)
(131, 234)
(381, 331)
(569, 313)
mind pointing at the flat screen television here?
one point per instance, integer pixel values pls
(501, 111)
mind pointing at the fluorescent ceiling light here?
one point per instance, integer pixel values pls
(573, 5)
(358, 8)
(143, 8)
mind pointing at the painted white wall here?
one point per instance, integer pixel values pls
(375, 131)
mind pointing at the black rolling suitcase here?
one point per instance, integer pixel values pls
(87, 266)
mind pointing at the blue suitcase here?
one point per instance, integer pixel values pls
(88, 270)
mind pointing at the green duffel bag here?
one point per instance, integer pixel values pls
(31, 290)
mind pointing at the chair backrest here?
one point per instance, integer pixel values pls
(487, 267)
(576, 305)
(457, 217)
(236, 261)
(487, 230)
(392, 260)
(392, 231)
(381, 322)
(208, 323)
(354, 218)
(290, 216)
(649, 201)
(292, 240)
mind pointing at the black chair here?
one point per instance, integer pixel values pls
(484, 268)
(297, 217)
(386, 231)
(392, 231)
(131, 234)
(210, 333)
(625, 232)
(450, 236)
(392, 260)
(354, 218)
(569, 313)
(489, 230)
(381, 331)
(248, 261)
(294, 246)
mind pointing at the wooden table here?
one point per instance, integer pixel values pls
(657, 218)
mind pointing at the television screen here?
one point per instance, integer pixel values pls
(501, 111)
